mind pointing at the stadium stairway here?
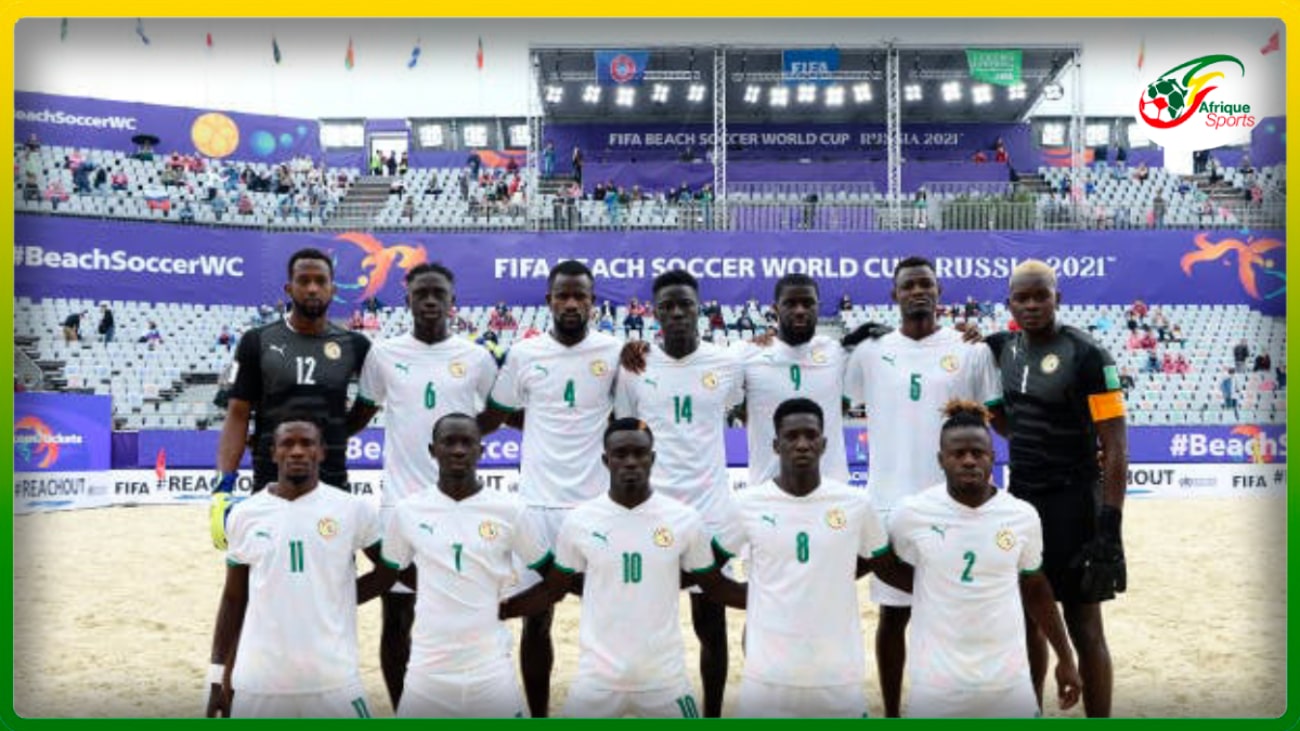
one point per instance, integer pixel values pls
(365, 199)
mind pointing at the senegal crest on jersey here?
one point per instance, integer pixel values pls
(457, 369)
(709, 380)
(819, 356)
(327, 527)
(836, 519)
(598, 368)
(948, 363)
(1006, 540)
(663, 537)
(333, 351)
(488, 531)
(1050, 363)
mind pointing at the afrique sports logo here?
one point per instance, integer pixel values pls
(1179, 94)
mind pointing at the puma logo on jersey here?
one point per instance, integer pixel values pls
(888, 359)
(545, 371)
(262, 534)
(603, 538)
(426, 528)
(403, 368)
(277, 348)
(940, 531)
(769, 519)
(651, 382)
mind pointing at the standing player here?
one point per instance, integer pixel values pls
(683, 394)
(299, 363)
(800, 364)
(808, 539)
(285, 644)
(631, 545)
(1063, 401)
(416, 378)
(564, 385)
(905, 378)
(977, 554)
(461, 538)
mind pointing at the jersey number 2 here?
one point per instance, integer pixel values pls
(966, 578)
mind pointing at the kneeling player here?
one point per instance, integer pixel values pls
(631, 546)
(977, 554)
(285, 644)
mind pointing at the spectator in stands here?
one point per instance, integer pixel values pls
(186, 212)
(745, 321)
(1240, 354)
(474, 163)
(408, 209)
(531, 332)
(846, 303)
(372, 304)
(1141, 173)
(226, 339)
(119, 180)
(376, 163)
(607, 309)
(1245, 167)
(1227, 388)
(636, 307)
(356, 321)
(1167, 364)
(100, 180)
(548, 160)
(1263, 363)
(370, 322)
(81, 176)
(1000, 151)
(1176, 334)
(32, 144)
(971, 311)
(1148, 340)
(72, 327)
(502, 319)
(636, 322)
(390, 164)
(404, 164)
(1153, 363)
(576, 161)
(1137, 314)
(218, 205)
(245, 205)
(1158, 209)
(151, 336)
(980, 156)
(1281, 376)
(605, 323)
(705, 199)
(1182, 365)
(1126, 380)
(55, 192)
(1161, 323)
(107, 324)
(1215, 170)
(1134, 341)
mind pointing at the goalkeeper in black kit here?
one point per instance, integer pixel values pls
(1063, 405)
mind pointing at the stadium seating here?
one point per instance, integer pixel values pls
(171, 386)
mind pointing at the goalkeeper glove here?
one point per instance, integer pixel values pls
(219, 505)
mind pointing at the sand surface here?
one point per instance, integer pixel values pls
(114, 612)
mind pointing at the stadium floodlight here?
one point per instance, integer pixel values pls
(475, 135)
(806, 94)
(626, 96)
(951, 91)
(554, 94)
(835, 96)
(981, 93)
(912, 93)
(752, 93)
(520, 135)
(1017, 91)
(862, 93)
(659, 95)
(778, 96)
(695, 93)
(591, 94)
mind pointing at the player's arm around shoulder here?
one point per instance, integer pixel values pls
(889, 566)
(369, 540)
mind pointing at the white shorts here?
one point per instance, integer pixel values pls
(488, 692)
(385, 515)
(546, 523)
(1015, 702)
(765, 700)
(349, 702)
(588, 701)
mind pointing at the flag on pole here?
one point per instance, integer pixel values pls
(349, 60)
(1142, 52)
(160, 463)
(139, 30)
(275, 49)
(209, 41)
(1274, 43)
(478, 58)
(415, 55)
(63, 30)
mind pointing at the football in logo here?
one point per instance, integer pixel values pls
(836, 519)
(488, 531)
(663, 537)
(333, 351)
(328, 528)
(622, 68)
(1006, 540)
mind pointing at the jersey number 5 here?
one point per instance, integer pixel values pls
(915, 392)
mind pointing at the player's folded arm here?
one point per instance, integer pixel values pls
(888, 567)
(380, 578)
(556, 581)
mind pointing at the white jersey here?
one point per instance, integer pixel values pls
(779, 372)
(462, 552)
(567, 394)
(685, 403)
(416, 384)
(968, 626)
(906, 384)
(630, 636)
(803, 627)
(300, 629)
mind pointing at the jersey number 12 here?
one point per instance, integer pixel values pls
(306, 371)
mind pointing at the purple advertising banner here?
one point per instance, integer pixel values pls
(56, 432)
(65, 257)
(1268, 142)
(613, 142)
(109, 125)
(1147, 445)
